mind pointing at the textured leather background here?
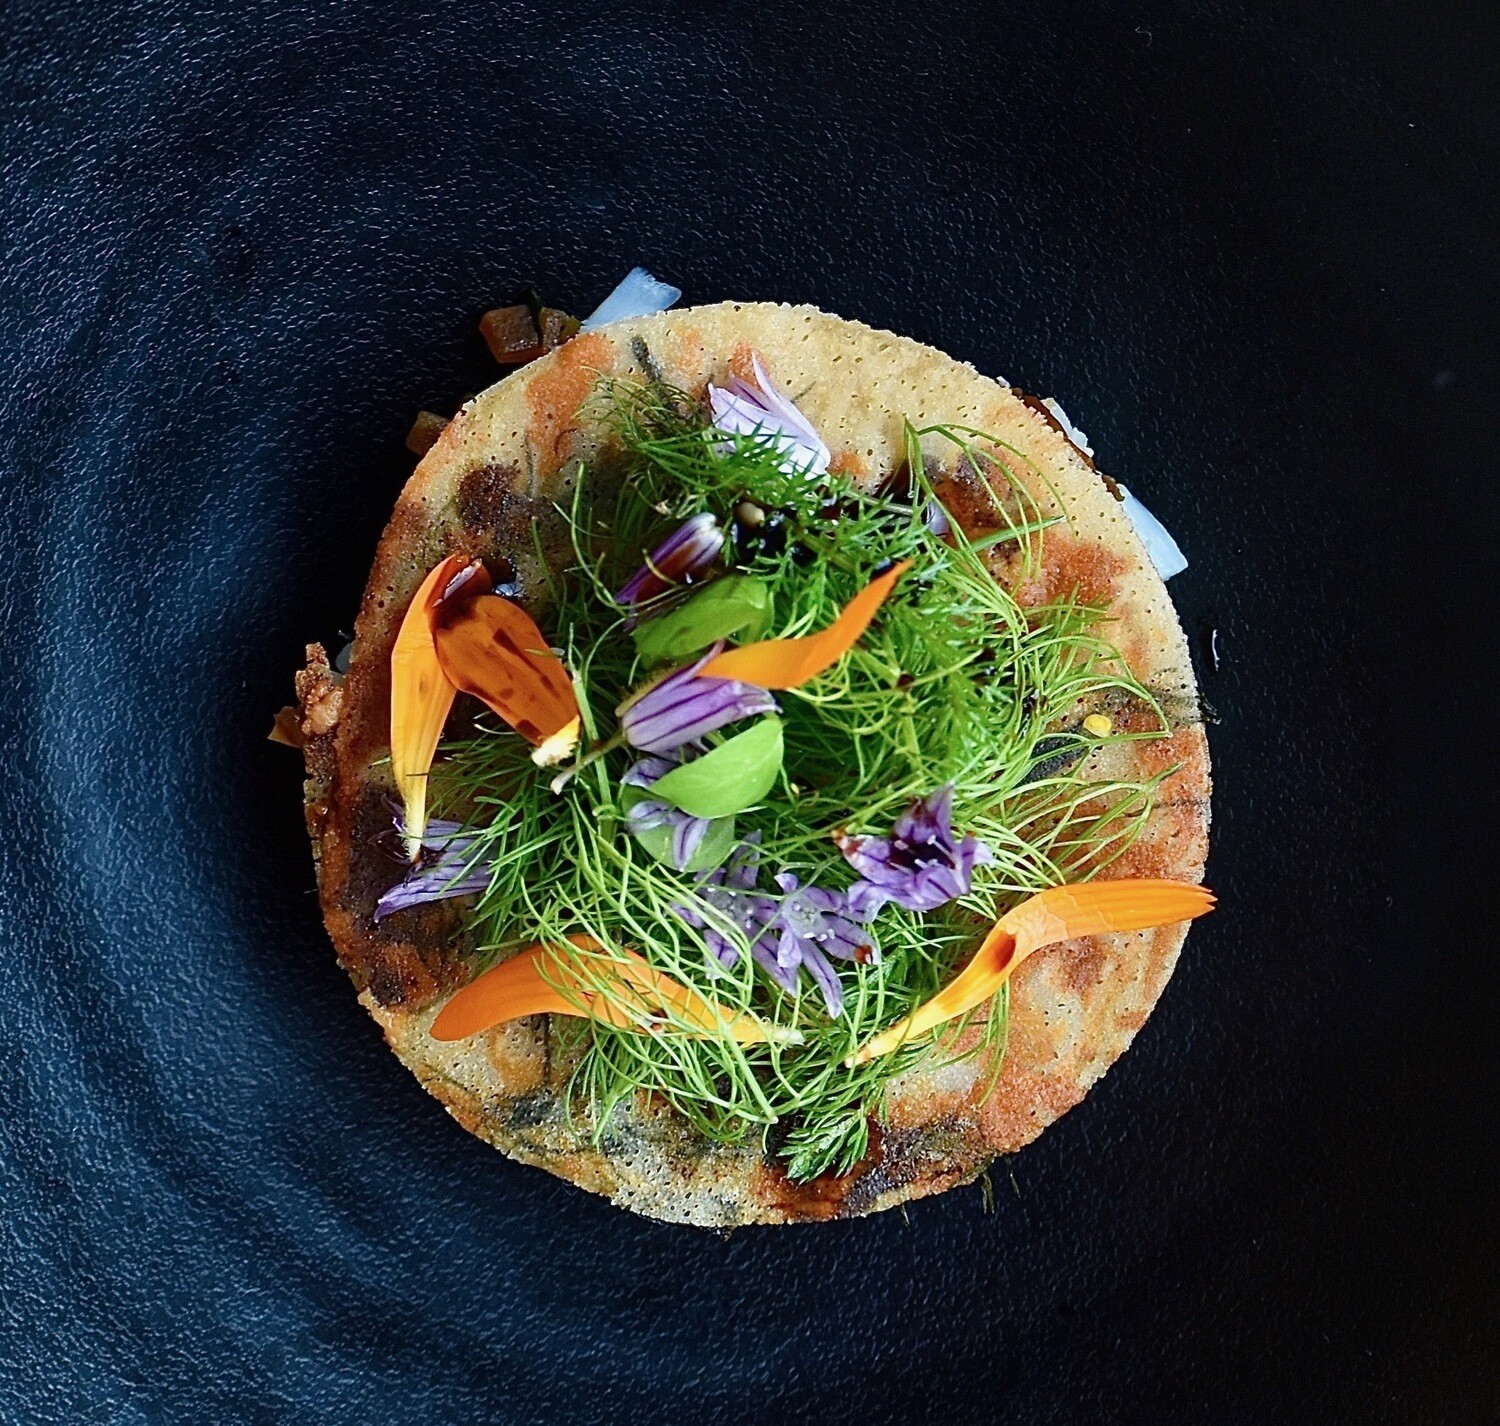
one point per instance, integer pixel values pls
(1255, 258)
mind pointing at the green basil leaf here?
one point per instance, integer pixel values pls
(733, 776)
(717, 842)
(736, 604)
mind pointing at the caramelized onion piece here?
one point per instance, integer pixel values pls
(424, 432)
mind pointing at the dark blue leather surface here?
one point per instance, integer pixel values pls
(1255, 259)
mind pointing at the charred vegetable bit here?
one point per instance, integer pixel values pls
(556, 327)
(425, 431)
(511, 335)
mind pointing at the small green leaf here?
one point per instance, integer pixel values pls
(737, 604)
(717, 842)
(734, 776)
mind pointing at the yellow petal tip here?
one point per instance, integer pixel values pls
(560, 745)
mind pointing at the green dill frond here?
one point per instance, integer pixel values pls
(955, 682)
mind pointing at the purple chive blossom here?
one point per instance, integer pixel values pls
(445, 867)
(788, 934)
(730, 890)
(685, 555)
(813, 924)
(683, 707)
(688, 832)
(920, 865)
(758, 409)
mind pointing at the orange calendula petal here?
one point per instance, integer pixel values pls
(421, 696)
(1061, 913)
(493, 649)
(530, 984)
(785, 663)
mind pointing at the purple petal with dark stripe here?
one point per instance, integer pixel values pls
(684, 707)
(445, 867)
(825, 978)
(920, 866)
(684, 556)
(687, 832)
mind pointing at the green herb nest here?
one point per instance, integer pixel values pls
(954, 682)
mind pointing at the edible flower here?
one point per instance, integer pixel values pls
(759, 410)
(684, 707)
(1061, 913)
(445, 867)
(730, 890)
(622, 990)
(685, 833)
(685, 555)
(421, 696)
(786, 663)
(920, 866)
(797, 931)
(812, 924)
(491, 648)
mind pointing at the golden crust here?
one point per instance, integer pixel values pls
(487, 487)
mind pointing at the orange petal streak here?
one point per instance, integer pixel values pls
(785, 663)
(421, 696)
(1061, 913)
(493, 649)
(528, 984)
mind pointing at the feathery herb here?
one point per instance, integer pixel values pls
(954, 683)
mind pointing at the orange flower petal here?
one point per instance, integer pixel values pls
(493, 649)
(785, 663)
(1061, 913)
(421, 696)
(527, 984)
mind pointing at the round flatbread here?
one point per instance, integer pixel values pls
(490, 486)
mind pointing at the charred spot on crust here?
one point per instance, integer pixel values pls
(503, 524)
(487, 496)
(945, 1152)
(409, 955)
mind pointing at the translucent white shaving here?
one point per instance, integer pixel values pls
(1164, 552)
(638, 295)
(1160, 546)
(1069, 429)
